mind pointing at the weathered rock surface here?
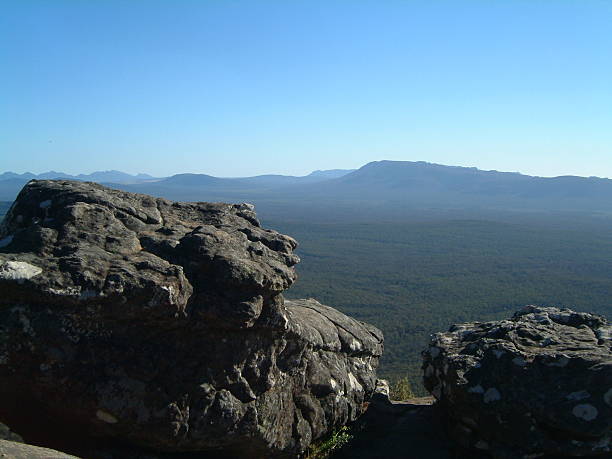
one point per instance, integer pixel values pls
(537, 384)
(12, 450)
(162, 324)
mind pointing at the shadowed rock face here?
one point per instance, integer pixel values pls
(539, 383)
(162, 324)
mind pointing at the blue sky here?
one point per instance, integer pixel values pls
(234, 88)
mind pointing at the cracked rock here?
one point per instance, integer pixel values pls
(537, 384)
(162, 325)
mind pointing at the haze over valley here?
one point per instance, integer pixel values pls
(320, 230)
(413, 247)
(402, 185)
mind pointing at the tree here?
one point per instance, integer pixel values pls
(401, 389)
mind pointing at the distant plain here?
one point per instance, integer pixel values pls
(413, 248)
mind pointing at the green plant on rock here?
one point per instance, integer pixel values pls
(324, 448)
(401, 389)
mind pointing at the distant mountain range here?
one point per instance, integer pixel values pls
(99, 176)
(388, 185)
(11, 182)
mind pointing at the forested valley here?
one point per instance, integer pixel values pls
(412, 279)
(415, 271)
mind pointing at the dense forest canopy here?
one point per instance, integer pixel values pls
(413, 269)
(412, 279)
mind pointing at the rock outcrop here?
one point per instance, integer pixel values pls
(537, 384)
(12, 450)
(162, 324)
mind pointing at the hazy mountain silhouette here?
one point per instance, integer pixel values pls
(191, 180)
(184, 184)
(267, 180)
(421, 183)
(113, 176)
(11, 182)
(386, 185)
(108, 176)
(331, 173)
(12, 175)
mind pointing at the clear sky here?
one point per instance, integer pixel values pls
(235, 88)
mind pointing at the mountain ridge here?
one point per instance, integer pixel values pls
(94, 176)
(386, 185)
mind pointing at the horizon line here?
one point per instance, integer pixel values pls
(307, 174)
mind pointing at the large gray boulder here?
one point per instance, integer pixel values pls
(537, 384)
(162, 324)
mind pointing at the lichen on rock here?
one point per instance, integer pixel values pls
(536, 384)
(162, 324)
